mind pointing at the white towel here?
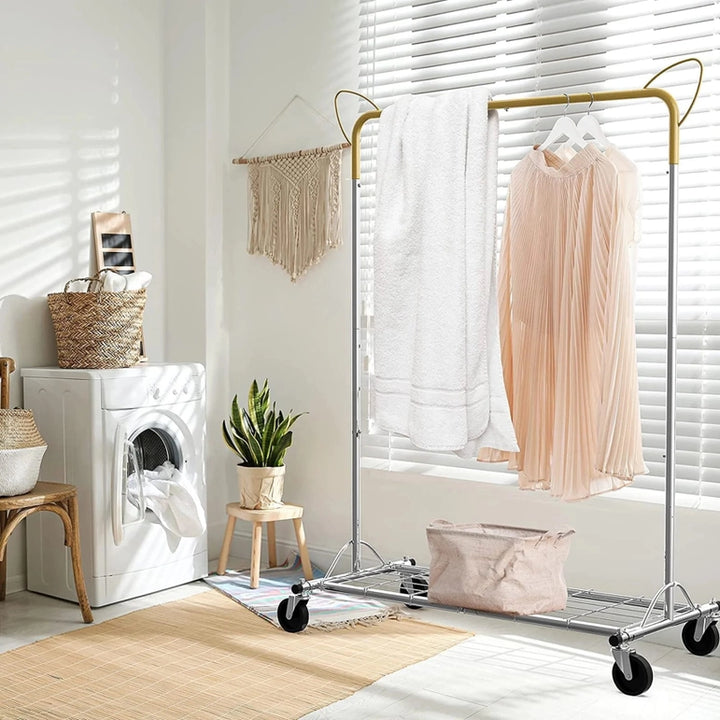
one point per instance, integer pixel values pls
(171, 496)
(137, 280)
(114, 282)
(437, 370)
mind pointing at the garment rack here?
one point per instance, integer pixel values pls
(623, 618)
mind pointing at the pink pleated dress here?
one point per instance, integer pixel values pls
(567, 330)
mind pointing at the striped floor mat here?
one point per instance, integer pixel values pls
(328, 610)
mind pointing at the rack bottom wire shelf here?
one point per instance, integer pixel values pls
(622, 618)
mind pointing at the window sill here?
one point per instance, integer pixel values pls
(632, 494)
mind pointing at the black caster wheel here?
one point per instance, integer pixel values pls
(416, 585)
(641, 680)
(298, 620)
(706, 644)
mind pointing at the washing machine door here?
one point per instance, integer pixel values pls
(144, 441)
(128, 497)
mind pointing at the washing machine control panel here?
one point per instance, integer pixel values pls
(170, 385)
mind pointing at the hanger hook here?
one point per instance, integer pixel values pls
(592, 100)
(567, 103)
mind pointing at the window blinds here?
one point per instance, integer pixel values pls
(525, 47)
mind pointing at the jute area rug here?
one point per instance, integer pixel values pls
(204, 658)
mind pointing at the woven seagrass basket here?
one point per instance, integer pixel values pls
(21, 452)
(97, 329)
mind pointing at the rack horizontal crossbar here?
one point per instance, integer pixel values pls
(542, 100)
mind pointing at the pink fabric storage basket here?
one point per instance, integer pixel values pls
(497, 568)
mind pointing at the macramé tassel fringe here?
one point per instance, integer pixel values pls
(295, 207)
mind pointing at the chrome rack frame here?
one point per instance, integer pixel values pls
(623, 618)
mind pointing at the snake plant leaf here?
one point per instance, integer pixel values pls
(279, 449)
(253, 409)
(261, 407)
(243, 446)
(250, 433)
(295, 417)
(235, 417)
(277, 440)
(229, 440)
(264, 397)
(256, 458)
(268, 435)
(249, 427)
(282, 428)
(285, 425)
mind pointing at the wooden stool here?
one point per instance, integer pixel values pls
(54, 497)
(257, 518)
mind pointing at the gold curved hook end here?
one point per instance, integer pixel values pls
(337, 113)
(697, 88)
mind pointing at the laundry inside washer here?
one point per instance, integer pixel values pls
(147, 449)
(166, 493)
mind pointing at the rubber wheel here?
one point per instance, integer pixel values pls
(416, 585)
(706, 644)
(642, 676)
(298, 620)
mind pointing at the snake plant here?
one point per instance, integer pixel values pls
(258, 434)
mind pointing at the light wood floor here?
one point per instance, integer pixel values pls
(507, 671)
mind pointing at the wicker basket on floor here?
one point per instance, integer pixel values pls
(97, 329)
(21, 452)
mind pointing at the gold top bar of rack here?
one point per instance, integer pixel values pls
(600, 96)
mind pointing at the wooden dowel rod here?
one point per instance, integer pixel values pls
(7, 365)
(245, 161)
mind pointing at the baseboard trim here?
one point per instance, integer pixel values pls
(15, 583)
(242, 542)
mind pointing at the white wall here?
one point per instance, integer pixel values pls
(299, 337)
(197, 165)
(295, 334)
(80, 130)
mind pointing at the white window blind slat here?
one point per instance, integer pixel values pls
(526, 47)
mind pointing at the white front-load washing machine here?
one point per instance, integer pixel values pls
(101, 426)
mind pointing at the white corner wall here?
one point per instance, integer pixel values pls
(295, 334)
(197, 165)
(80, 130)
(298, 336)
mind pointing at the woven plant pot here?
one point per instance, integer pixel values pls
(97, 329)
(21, 452)
(261, 488)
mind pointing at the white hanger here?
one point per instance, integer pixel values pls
(564, 127)
(589, 125)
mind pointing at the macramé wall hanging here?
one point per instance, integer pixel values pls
(294, 204)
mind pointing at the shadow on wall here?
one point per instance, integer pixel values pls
(59, 161)
(49, 185)
(26, 335)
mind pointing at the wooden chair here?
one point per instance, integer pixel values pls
(257, 518)
(58, 498)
